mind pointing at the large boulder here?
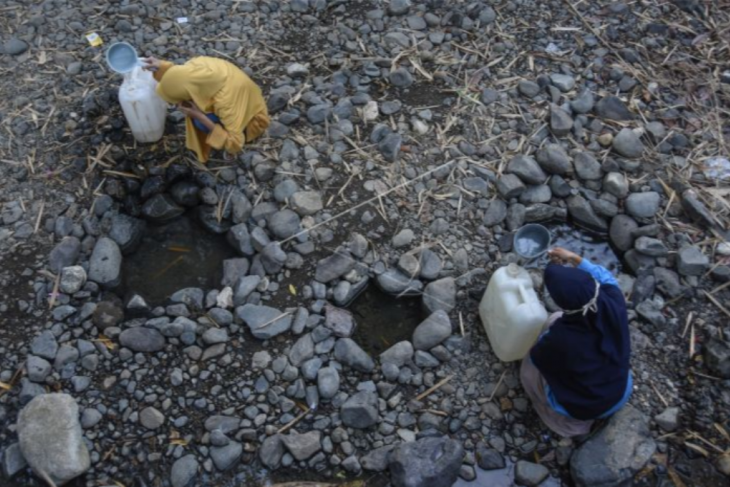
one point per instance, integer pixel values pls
(50, 438)
(428, 462)
(613, 456)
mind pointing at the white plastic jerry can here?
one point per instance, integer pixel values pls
(511, 312)
(144, 110)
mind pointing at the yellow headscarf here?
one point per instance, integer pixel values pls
(194, 80)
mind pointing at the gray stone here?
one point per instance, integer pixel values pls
(15, 46)
(717, 356)
(643, 205)
(360, 411)
(399, 354)
(66, 355)
(328, 382)
(440, 295)
(240, 239)
(64, 254)
(510, 186)
(536, 194)
(37, 368)
(213, 336)
(45, 345)
(263, 321)
(73, 279)
(401, 78)
(127, 232)
(582, 212)
(527, 169)
(563, 82)
(390, 146)
(628, 144)
(284, 224)
(334, 266)
(668, 420)
(306, 202)
(349, 353)
(184, 471)
(496, 212)
(395, 282)
(612, 108)
(432, 331)
(530, 474)
(616, 184)
(225, 457)
(192, 297)
(621, 232)
(403, 238)
(615, 454)
(161, 207)
(561, 122)
(271, 452)
(226, 424)
(303, 446)
(553, 159)
(651, 246)
(302, 350)
(489, 458)
(527, 88)
(667, 281)
(142, 339)
(13, 461)
(583, 103)
(297, 70)
(339, 321)
(430, 264)
(105, 265)
(50, 438)
(377, 460)
(428, 462)
(399, 7)
(90, 418)
(151, 418)
(587, 167)
(692, 262)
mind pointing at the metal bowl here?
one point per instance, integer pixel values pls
(122, 57)
(531, 241)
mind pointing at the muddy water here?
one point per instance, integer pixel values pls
(384, 320)
(174, 256)
(504, 477)
(589, 246)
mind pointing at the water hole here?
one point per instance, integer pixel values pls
(384, 320)
(174, 256)
(594, 248)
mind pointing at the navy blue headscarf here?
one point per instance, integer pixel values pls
(585, 357)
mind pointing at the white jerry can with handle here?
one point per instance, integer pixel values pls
(511, 313)
(144, 110)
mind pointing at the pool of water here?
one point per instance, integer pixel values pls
(585, 244)
(504, 477)
(384, 320)
(175, 256)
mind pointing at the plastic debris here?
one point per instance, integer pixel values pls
(717, 168)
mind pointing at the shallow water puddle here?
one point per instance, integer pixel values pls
(175, 256)
(504, 477)
(585, 244)
(384, 320)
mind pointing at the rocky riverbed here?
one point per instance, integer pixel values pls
(409, 140)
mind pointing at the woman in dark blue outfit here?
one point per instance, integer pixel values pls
(578, 371)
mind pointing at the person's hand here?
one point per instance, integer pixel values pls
(150, 63)
(559, 255)
(189, 109)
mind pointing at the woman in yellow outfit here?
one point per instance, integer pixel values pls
(224, 108)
